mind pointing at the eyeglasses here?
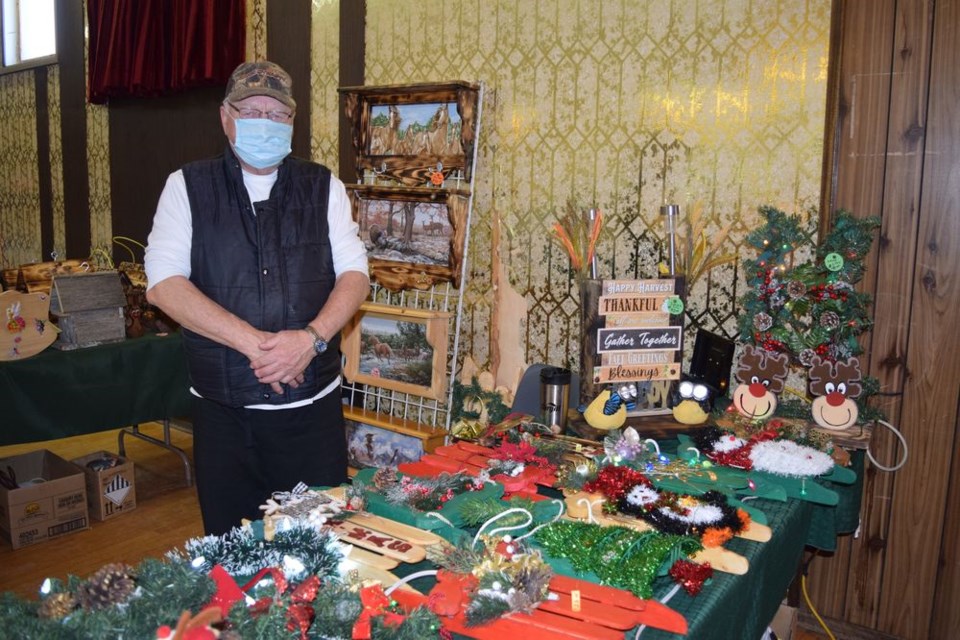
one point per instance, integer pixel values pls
(275, 116)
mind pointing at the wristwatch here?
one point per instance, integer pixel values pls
(319, 344)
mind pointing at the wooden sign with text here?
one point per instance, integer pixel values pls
(640, 336)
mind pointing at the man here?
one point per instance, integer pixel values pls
(256, 255)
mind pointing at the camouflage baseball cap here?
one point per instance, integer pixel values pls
(261, 78)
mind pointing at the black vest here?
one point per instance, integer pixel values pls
(273, 269)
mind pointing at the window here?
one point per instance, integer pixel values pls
(29, 31)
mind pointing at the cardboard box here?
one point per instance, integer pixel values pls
(51, 501)
(110, 491)
(784, 623)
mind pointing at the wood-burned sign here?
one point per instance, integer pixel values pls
(641, 334)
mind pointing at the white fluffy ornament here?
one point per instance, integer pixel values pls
(787, 458)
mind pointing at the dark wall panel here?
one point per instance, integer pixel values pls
(76, 190)
(45, 180)
(353, 47)
(288, 44)
(149, 139)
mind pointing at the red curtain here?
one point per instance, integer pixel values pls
(156, 47)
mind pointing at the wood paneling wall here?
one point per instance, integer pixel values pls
(898, 156)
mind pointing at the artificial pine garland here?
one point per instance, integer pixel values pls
(478, 510)
(242, 553)
(165, 589)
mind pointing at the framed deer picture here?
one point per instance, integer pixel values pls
(397, 348)
(414, 237)
(406, 134)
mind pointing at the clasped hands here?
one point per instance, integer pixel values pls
(280, 358)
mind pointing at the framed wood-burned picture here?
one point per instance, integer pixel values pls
(378, 440)
(397, 348)
(406, 133)
(414, 237)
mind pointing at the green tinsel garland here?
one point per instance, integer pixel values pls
(619, 556)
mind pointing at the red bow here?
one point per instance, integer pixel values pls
(375, 603)
(300, 614)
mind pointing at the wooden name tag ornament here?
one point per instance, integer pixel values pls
(26, 328)
(761, 375)
(835, 387)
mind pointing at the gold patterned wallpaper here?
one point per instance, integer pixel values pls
(324, 73)
(19, 172)
(626, 104)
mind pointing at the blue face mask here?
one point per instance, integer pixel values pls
(262, 143)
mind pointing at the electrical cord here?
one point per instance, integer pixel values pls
(903, 441)
(806, 597)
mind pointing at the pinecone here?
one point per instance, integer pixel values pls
(110, 585)
(57, 605)
(762, 321)
(796, 289)
(385, 477)
(829, 320)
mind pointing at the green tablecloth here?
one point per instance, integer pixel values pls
(828, 522)
(56, 394)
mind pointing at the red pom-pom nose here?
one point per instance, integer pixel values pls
(835, 399)
(757, 390)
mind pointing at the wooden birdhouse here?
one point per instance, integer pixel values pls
(88, 309)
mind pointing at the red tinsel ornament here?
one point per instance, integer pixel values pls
(691, 575)
(616, 482)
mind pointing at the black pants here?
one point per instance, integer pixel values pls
(244, 455)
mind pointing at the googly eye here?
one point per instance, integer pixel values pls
(829, 388)
(686, 389)
(754, 379)
(842, 388)
(700, 392)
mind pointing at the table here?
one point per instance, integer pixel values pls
(741, 607)
(58, 394)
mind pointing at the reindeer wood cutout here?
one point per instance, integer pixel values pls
(835, 387)
(761, 375)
